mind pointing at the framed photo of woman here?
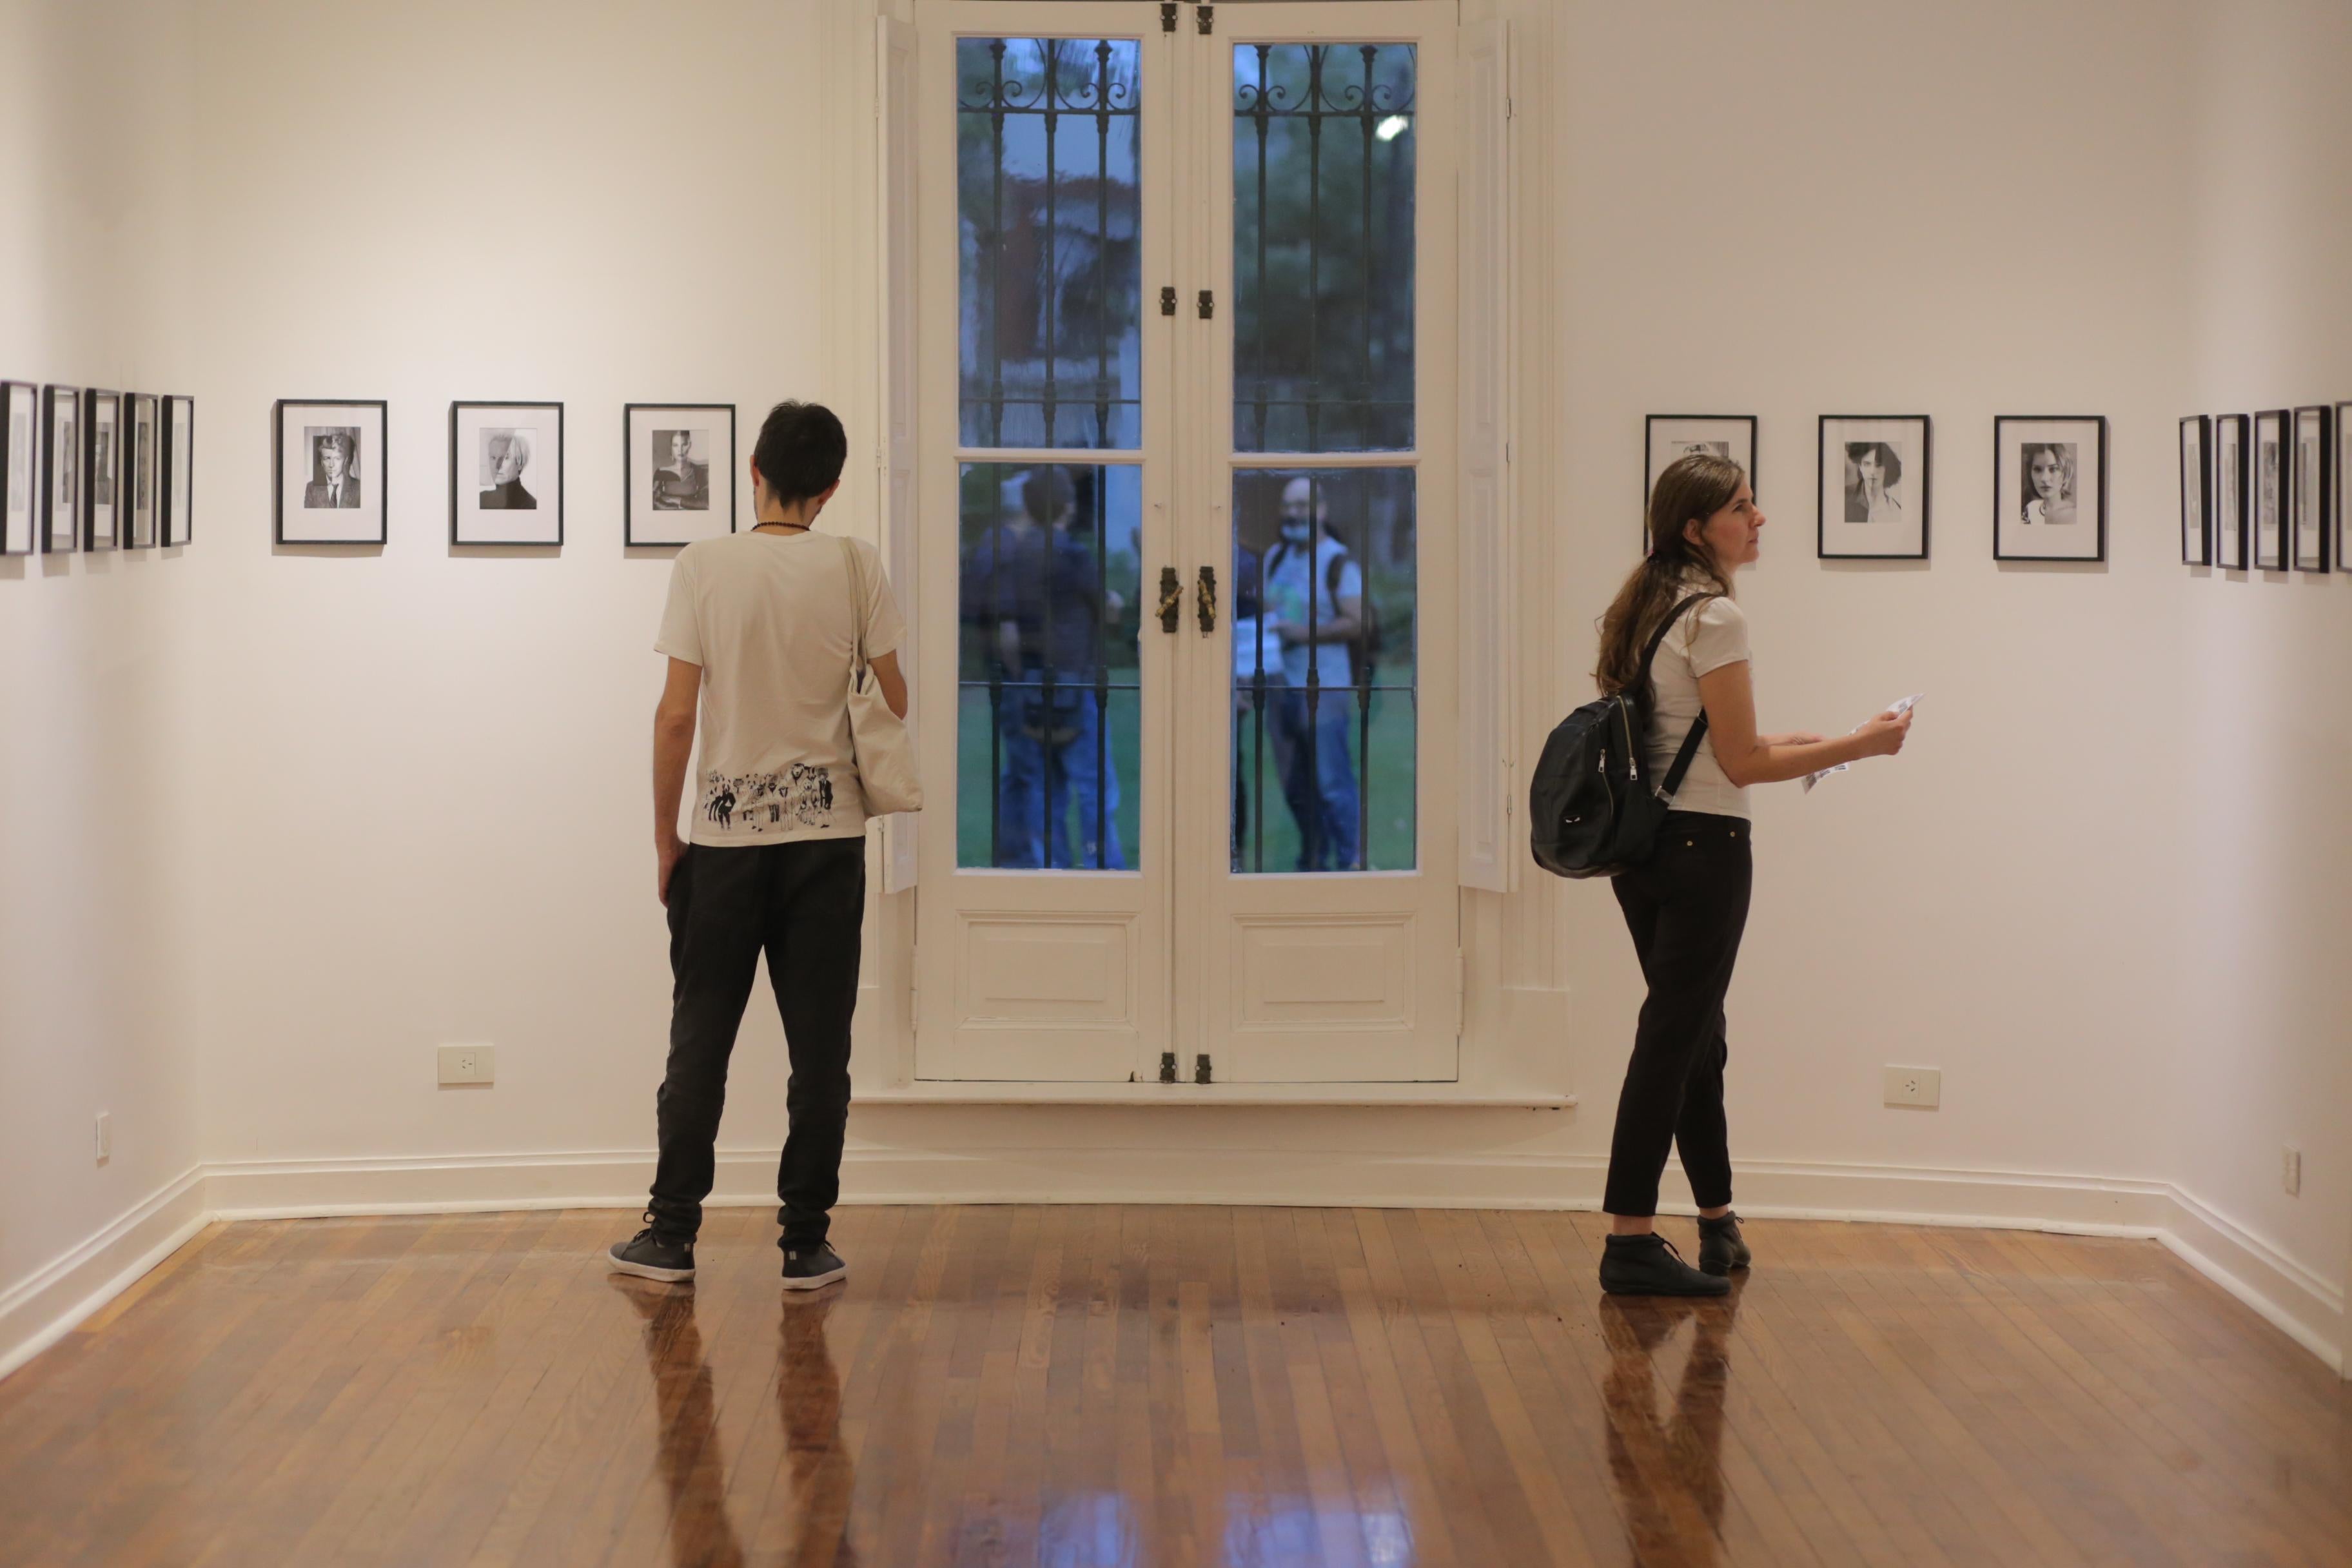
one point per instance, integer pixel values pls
(2196, 491)
(2267, 528)
(1668, 436)
(678, 467)
(2229, 474)
(2310, 498)
(1874, 486)
(20, 447)
(2050, 487)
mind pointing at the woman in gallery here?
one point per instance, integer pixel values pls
(2048, 482)
(1688, 904)
(1874, 469)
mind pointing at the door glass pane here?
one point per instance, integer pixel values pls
(1049, 710)
(1323, 237)
(1324, 709)
(1049, 242)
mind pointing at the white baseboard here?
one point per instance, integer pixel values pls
(41, 1310)
(2284, 1291)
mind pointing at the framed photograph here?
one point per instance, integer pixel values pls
(1672, 436)
(179, 470)
(330, 470)
(2343, 458)
(20, 492)
(2267, 530)
(678, 468)
(1874, 473)
(2196, 491)
(101, 468)
(140, 500)
(2230, 478)
(506, 473)
(61, 496)
(2050, 487)
(2311, 498)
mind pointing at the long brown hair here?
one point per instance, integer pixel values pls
(1692, 490)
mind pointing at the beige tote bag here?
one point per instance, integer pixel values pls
(886, 753)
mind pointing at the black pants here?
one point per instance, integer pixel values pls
(1685, 907)
(803, 903)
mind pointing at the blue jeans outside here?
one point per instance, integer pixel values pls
(1322, 790)
(1072, 770)
(1020, 782)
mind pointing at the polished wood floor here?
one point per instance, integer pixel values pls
(1081, 1387)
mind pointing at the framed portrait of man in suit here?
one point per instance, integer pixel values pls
(506, 473)
(678, 463)
(331, 471)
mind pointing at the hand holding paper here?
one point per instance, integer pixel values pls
(1894, 711)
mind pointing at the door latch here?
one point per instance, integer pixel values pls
(1168, 301)
(1200, 1068)
(1168, 1067)
(1208, 304)
(1208, 601)
(1167, 16)
(1205, 19)
(1171, 598)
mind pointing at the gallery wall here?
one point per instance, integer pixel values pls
(95, 149)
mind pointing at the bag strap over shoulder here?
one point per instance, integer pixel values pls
(1689, 752)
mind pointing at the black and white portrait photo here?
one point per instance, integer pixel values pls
(679, 470)
(2269, 454)
(179, 427)
(101, 458)
(2196, 490)
(2343, 469)
(330, 479)
(102, 479)
(139, 470)
(61, 495)
(506, 473)
(2314, 472)
(19, 411)
(1669, 437)
(2050, 487)
(2230, 492)
(1874, 480)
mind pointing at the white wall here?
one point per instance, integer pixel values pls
(94, 157)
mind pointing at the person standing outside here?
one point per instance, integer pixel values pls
(1312, 593)
(759, 630)
(1688, 904)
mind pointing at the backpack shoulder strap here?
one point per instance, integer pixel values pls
(1689, 751)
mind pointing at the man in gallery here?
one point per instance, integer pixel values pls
(761, 630)
(336, 484)
(510, 453)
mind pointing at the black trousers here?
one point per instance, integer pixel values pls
(1686, 907)
(802, 903)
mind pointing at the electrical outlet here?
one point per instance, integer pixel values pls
(105, 1137)
(2291, 1172)
(468, 1063)
(1921, 1086)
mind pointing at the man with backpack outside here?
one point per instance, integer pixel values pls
(1312, 593)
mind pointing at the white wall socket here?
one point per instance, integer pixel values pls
(468, 1063)
(2291, 1172)
(1915, 1086)
(105, 1137)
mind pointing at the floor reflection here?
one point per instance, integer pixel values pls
(819, 1476)
(1668, 1468)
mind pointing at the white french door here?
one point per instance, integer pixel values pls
(1184, 336)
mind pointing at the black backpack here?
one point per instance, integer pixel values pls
(1592, 809)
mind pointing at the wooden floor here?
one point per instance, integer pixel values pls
(1083, 1387)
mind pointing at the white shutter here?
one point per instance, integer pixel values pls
(894, 111)
(1488, 821)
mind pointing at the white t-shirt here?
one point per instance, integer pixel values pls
(1703, 641)
(767, 616)
(1287, 583)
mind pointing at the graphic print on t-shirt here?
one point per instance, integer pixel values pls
(754, 803)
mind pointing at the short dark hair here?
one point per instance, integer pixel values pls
(1047, 492)
(801, 451)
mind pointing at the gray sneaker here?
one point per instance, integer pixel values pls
(812, 1268)
(649, 1255)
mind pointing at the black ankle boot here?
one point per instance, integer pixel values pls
(1649, 1266)
(1721, 1248)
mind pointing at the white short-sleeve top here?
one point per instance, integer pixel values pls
(1703, 641)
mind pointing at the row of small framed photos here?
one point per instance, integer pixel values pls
(2050, 480)
(86, 469)
(2266, 489)
(506, 472)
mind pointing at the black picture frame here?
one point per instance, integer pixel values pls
(2197, 487)
(2309, 514)
(101, 461)
(20, 468)
(2343, 466)
(2281, 421)
(60, 479)
(1741, 429)
(139, 528)
(460, 535)
(2232, 477)
(381, 475)
(1924, 490)
(2007, 505)
(176, 520)
(629, 508)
